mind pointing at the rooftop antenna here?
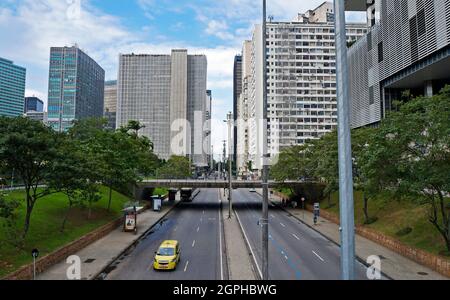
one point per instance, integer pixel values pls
(271, 17)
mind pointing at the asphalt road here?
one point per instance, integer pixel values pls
(296, 252)
(198, 228)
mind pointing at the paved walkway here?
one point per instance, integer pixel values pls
(239, 264)
(393, 265)
(98, 255)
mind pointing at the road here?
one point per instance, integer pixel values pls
(296, 252)
(198, 228)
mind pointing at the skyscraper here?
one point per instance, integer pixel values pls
(301, 81)
(163, 92)
(237, 90)
(406, 48)
(12, 88)
(33, 104)
(110, 103)
(75, 88)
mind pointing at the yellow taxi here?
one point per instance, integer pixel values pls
(168, 256)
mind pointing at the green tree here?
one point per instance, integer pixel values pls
(9, 216)
(369, 186)
(411, 152)
(29, 148)
(70, 174)
(325, 162)
(177, 167)
(294, 163)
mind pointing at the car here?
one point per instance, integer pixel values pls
(252, 190)
(168, 256)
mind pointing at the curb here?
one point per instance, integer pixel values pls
(255, 268)
(227, 255)
(113, 260)
(358, 258)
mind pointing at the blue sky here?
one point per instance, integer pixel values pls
(105, 28)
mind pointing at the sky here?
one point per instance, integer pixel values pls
(106, 28)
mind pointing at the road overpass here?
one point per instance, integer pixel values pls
(215, 184)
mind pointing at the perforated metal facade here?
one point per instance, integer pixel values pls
(406, 34)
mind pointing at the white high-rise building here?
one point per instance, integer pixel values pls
(167, 94)
(242, 113)
(301, 81)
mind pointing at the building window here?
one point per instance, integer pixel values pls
(371, 96)
(380, 52)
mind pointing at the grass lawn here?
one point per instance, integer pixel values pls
(395, 215)
(46, 220)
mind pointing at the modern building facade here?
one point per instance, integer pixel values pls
(37, 116)
(167, 93)
(33, 104)
(301, 81)
(242, 113)
(110, 103)
(407, 48)
(208, 128)
(237, 90)
(12, 88)
(75, 89)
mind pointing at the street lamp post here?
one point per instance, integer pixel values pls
(345, 152)
(265, 167)
(230, 150)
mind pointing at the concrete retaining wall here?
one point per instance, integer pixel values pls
(42, 264)
(437, 263)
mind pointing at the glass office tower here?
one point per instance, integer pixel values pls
(75, 89)
(12, 88)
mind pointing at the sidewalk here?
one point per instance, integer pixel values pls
(393, 265)
(97, 256)
(239, 261)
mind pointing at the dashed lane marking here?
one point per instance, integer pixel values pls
(318, 256)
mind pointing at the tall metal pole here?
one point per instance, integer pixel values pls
(265, 169)
(230, 162)
(345, 148)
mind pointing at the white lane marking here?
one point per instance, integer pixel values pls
(185, 267)
(193, 244)
(203, 212)
(248, 243)
(296, 237)
(198, 229)
(273, 217)
(282, 225)
(201, 220)
(287, 258)
(318, 256)
(220, 241)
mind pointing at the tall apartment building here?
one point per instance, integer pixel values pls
(110, 103)
(75, 88)
(241, 109)
(208, 127)
(406, 48)
(237, 90)
(301, 81)
(166, 92)
(12, 88)
(33, 104)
